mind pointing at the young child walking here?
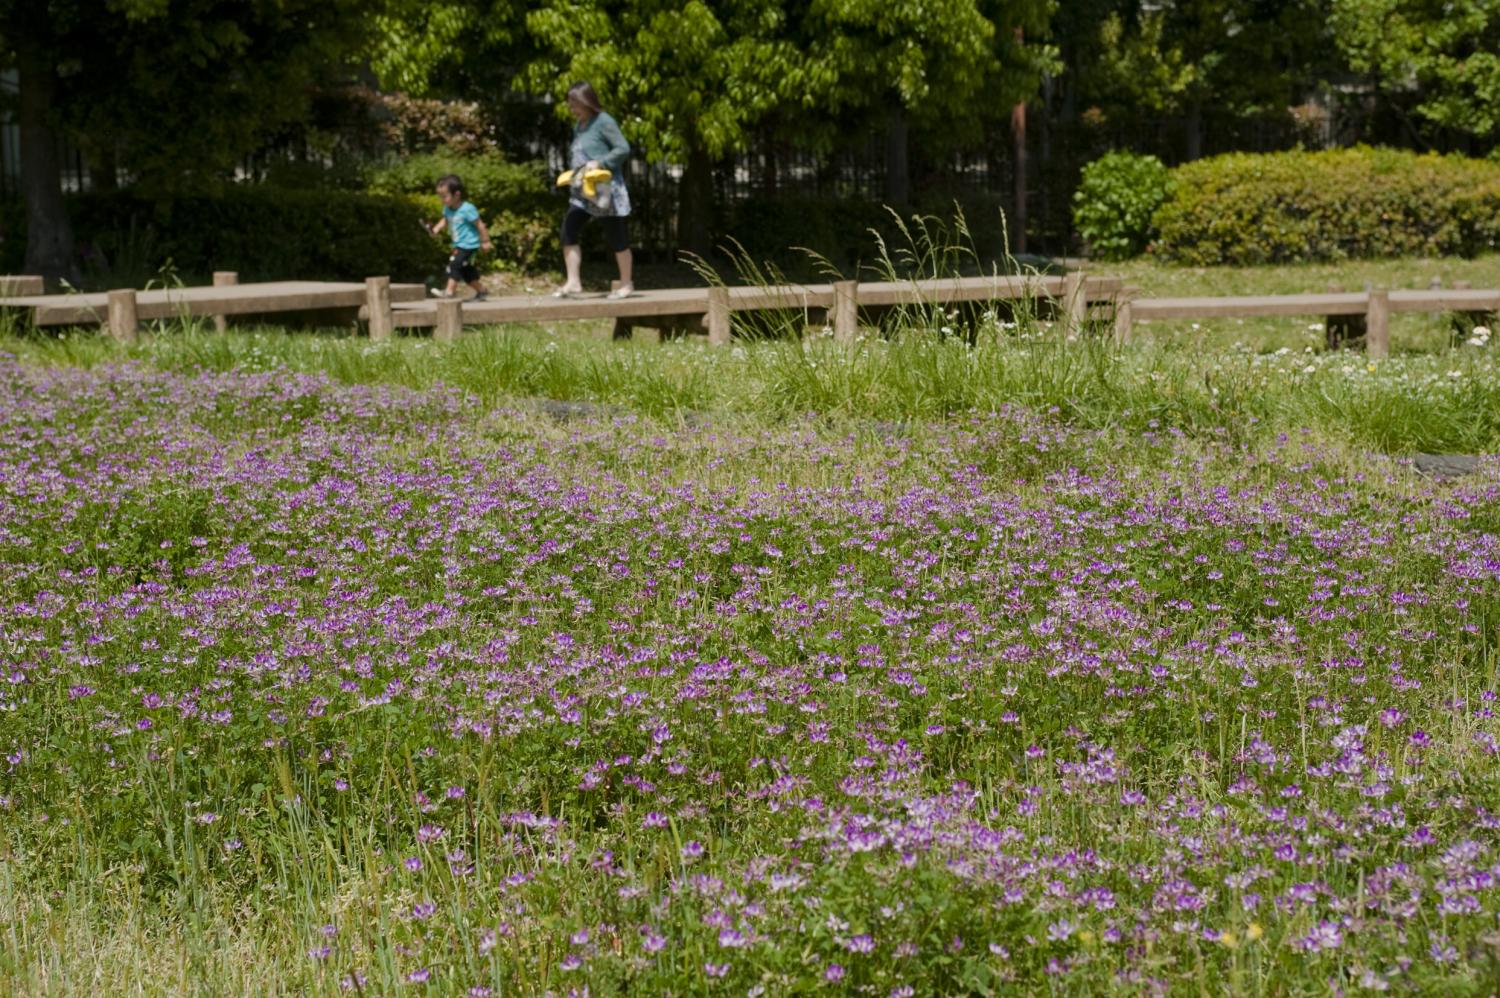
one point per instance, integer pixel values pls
(469, 236)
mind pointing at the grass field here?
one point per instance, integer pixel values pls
(928, 667)
(1444, 399)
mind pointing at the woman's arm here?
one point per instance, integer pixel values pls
(619, 149)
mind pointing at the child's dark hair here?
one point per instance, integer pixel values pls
(452, 184)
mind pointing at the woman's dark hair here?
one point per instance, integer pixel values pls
(584, 94)
(451, 184)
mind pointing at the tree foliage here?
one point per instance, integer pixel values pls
(170, 92)
(169, 95)
(179, 90)
(706, 74)
(1182, 57)
(952, 67)
(690, 76)
(1446, 53)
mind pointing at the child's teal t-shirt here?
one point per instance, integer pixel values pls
(463, 222)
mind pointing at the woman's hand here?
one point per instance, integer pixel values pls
(592, 164)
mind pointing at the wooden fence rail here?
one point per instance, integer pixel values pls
(120, 311)
(712, 309)
(21, 285)
(1074, 297)
(1376, 306)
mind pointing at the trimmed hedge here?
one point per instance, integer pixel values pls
(1327, 206)
(264, 233)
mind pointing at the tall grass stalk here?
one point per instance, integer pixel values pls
(1443, 402)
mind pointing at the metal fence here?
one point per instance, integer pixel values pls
(75, 172)
(1055, 150)
(768, 172)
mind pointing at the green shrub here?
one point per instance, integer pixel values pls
(516, 200)
(1327, 206)
(491, 181)
(264, 233)
(1119, 194)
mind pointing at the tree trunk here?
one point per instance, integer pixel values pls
(49, 235)
(1018, 217)
(897, 165)
(1018, 138)
(695, 204)
(1049, 109)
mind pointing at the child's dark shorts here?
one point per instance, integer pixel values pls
(461, 267)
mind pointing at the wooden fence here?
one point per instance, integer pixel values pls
(1374, 307)
(1075, 298)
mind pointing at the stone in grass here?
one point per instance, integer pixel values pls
(1445, 465)
(565, 411)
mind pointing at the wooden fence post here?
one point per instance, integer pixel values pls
(450, 320)
(718, 316)
(124, 325)
(1075, 302)
(378, 302)
(1124, 320)
(846, 311)
(1378, 324)
(224, 279)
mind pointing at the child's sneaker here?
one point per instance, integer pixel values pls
(481, 296)
(441, 293)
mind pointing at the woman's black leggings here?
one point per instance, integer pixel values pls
(616, 233)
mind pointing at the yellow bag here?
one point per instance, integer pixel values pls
(591, 180)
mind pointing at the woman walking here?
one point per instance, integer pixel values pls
(597, 142)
